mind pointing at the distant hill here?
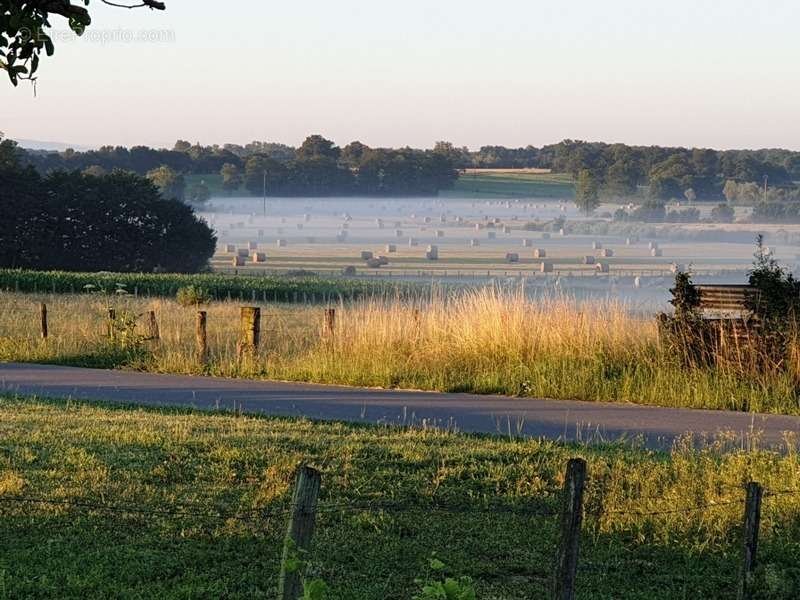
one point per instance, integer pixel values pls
(52, 146)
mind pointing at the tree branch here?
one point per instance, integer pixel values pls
(151, 4)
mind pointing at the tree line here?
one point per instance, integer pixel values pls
(318, 167)
(72, 221)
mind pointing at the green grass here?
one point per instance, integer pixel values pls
(513, 185)
(219, 286)
(377, 526)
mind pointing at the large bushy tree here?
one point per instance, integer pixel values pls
(116, 222)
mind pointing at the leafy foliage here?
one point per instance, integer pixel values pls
(777, 303)
(192, 295)
(116, 222)
(23, 35)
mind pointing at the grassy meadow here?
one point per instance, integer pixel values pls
(113, 501)
(512, 183)
(483, 341)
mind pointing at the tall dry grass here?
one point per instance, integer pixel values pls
(487, 341)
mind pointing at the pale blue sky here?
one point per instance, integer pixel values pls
(693, 73)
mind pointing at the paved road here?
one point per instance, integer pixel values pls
(561, 419)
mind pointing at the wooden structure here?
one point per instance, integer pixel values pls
(727, 304)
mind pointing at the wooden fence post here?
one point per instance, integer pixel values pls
(752, 520)
(152, 326)
(43, 314)
(200, 337)
(250, 323)
(330, 321)
(112, 316)
(570, 530)
(300, 531)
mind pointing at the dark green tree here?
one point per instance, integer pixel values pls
(587, 195)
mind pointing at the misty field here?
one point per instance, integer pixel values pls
(485, 341)
(104, 500)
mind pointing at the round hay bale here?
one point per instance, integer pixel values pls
(281, 243)
(589, 260)
(391, 248)
(366, 255)
(540, 253)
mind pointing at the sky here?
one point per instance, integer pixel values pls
(698, 73)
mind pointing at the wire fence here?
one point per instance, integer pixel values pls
(562, 507)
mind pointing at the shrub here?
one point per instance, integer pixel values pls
(192, 295)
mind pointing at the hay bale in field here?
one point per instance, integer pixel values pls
(607, 253)
(384, 260)
(491, 235)
(630, 241)
(366, 255)
(349, 270)
(540, 253)
(379, 223)
(546, 267)
(656, 252)
(373, 263)
(439, 233)
(242, 252)
(427, 220)
(474, 243)
(390, 248)
(602, 267)
(306, 217)
(597, 245)
(652, 245)
(252, 245)
(412, 242)
(259, 257)
(512, 257)
(238, 261)
(527, 243)
(588, 260)
(281, 243)
(442, 219)
(637, 282)
(562, 232)
(432, 253)
(230, 248)
(478, 226)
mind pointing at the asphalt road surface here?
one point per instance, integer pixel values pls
(558, 419)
